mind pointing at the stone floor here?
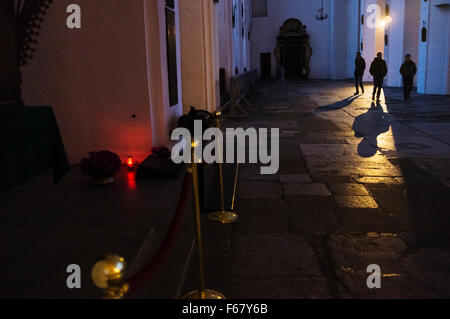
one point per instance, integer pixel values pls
(359, 184)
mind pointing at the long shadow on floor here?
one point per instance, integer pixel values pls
(370, 125)
(337, 106)
(424, 219)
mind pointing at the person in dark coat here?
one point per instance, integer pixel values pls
(378, 70)
(408, 70)
(360, 67)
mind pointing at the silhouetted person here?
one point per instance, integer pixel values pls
(378, 70)
(360, 67)
(408, 70)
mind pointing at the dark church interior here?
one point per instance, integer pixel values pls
(254, 150)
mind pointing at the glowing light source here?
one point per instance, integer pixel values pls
(385, 22)
(130, 162)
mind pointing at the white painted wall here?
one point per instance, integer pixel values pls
(241, 44)
(224, 22)
(438, 50)
(164, 117)
(266, 30)
(223, 18)
(411, 31)
(372, 38)
(353, 29)
(423, 48)
(433, 73)
(329, 40)
(339, 41)
(448, 65)
(394, 50)
(94, 78)
(199, 54)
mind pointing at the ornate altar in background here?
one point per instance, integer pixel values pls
(293, 52)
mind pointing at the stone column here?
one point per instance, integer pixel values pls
(394, 51)
(433, 75)
(199, 55)
(372, 31)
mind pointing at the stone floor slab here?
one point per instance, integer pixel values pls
(305, 189)
(280, 287)
(295, 178)
(261, 215)
(364, 220)
(279, 255)
(356, 201)
(259, 190)
(349, 189)
(404, 275)
(376, 180)
(311, 214)
(253, 173)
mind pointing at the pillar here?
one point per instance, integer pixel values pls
(199, 55)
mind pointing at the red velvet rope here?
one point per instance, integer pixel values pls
(147, 272)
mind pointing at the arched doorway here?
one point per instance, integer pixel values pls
(293, 51)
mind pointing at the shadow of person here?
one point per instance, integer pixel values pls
(369, 125)
(337, 105)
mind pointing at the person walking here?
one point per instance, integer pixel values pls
(360, 67)
(408, 70)
(378, 70)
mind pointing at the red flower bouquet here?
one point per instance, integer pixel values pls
(101, 166)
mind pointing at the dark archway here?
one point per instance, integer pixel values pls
(293, 52)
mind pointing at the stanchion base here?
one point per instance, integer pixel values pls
(224, 217)
(207, 294)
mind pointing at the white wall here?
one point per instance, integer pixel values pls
(433, 73)
(199, 55)
(438, 50)
(97, 77)
(372, 38)
(448, 65)
(85, 76)
(224, 22)
(241, 44)
(422, 48)
(328, 39)
(339, 42)
(223, 18)
(394, 51)
(265, 32)
(353, 29)
(163, 115)
(411, 33)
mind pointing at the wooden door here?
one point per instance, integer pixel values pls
(266, 65)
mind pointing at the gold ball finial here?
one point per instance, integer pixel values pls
(108, 274)
(194, 143)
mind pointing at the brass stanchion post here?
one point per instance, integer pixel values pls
(222, 216)
(108, 275)
(234, 187)
(202, 293)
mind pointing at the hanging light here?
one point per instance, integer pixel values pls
(321, 15)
